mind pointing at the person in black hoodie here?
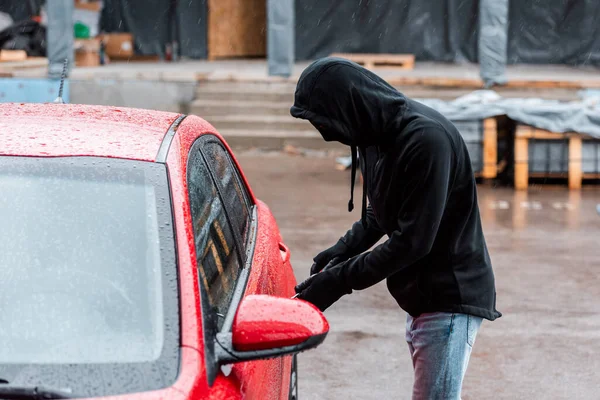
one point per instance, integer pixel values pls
(422, 194)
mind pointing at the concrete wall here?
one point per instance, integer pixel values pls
(156, 95)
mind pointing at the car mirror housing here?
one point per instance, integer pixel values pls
(268, 327)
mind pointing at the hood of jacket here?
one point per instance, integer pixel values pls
(349, 104)
(346, 102)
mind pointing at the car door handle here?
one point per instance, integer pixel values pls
(285, 252)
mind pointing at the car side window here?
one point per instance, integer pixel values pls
(218, 255)
(233, 191)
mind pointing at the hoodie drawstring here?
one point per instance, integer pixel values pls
(352, 179)
(363, 217)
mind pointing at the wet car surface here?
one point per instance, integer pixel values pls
(138, 263)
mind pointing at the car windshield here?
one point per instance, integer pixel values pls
(89, 283)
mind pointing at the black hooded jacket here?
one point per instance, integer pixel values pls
(421, 190)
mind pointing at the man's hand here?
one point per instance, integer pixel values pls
(324, 288)
(330, 257)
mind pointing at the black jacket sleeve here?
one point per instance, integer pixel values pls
(360, 238)
(423, 169)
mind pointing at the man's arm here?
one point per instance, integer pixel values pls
(425, 167)
(360, 238)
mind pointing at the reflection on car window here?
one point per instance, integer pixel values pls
(216, 249)
(231, 186)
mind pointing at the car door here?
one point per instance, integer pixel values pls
(230, 241)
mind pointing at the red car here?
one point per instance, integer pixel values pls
(137, 264)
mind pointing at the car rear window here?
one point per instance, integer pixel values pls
(89, 286)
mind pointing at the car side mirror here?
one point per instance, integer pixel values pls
(268, 327)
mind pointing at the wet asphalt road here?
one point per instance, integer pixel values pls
(545, 248)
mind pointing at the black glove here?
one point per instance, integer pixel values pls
(334, 255)
(324, 288)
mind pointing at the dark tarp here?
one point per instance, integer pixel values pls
(147, 20)
(512, 31)
(154, 23)
(554, 32)
(440, 30)
(280, 37)
(20, 10)
(193, 25)
(26, 35)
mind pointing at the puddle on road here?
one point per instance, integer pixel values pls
(523, 208)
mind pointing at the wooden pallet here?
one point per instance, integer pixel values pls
(575, 174)
(474, 83)
(12, 55)
(490, 150)
(29, 62)
(32, 65)
(370, 61)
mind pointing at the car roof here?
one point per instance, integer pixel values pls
(51, 129)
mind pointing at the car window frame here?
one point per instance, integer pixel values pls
(209, 315)
(240, 287)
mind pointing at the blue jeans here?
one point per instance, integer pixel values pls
(440, 345)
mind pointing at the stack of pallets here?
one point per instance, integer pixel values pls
(539, 153)
(13, 60)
